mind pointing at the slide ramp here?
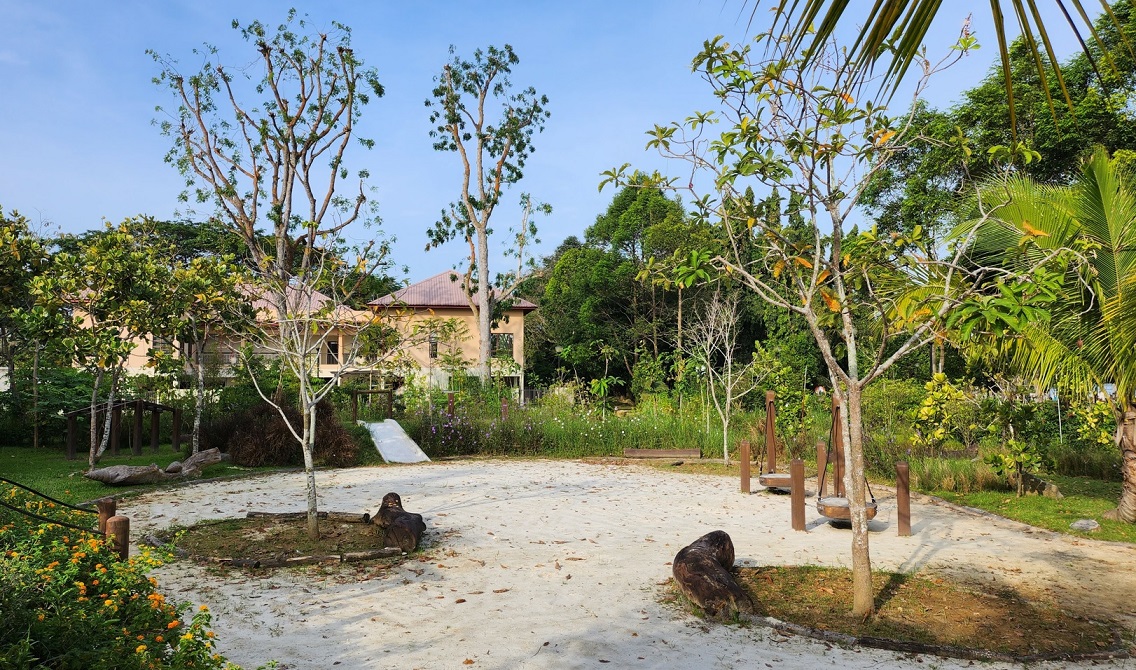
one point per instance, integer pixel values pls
(394, 445)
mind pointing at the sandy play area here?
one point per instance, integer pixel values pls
(557, 564)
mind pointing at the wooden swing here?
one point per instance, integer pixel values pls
(835, 507)
(770, 478)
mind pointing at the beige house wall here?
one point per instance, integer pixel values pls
(513, 324)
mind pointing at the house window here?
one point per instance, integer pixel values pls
(433, 346)
(501, 345)
(163, 345)
(332, 356)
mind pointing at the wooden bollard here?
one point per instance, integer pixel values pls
(903, 498)
(450, 399)
(118, 534)
(743, 459)
(504, 409)
(107, 508)
(797, 477)
(822, 464)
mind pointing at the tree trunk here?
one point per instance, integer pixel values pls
(97, 453)
(1126, 441)
(199, 399)
(856, 484)
(310, 470)
(93, 447)
(484, 308)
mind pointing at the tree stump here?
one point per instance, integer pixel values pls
(401, 529)
(702, 572)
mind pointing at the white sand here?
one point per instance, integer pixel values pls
(560, 565)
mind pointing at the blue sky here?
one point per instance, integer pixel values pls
(77, 145)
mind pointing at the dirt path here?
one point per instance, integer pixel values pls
(554, 564)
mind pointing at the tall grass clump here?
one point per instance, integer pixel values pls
(958, 475)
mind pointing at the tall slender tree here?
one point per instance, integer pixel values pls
(492, 145)
(267, 145)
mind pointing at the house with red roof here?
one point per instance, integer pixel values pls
(440, 306)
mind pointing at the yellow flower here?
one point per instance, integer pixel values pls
(187, 636)
(41, 616)
(141, 648)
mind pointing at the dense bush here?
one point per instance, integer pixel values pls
(69, 603)
(259, 436)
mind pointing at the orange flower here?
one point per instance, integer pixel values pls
(173, 624)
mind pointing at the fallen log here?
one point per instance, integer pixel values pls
(401, 529)
(192, 466)
(702, 572)
(127, 475)
(342, 517)
(385, 552)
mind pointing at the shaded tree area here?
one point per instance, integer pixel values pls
(615, 291)
(967, 142)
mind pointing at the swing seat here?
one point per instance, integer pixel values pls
(837, 508)
(776, 480)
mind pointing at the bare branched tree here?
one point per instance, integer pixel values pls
(279, 162)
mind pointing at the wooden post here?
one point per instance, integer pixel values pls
(797, 476)
(71, 428)
(743, 459)
(136, 438)
(504, 409)
(107, 508)
(837, 450)
(450, 399)
(770, 433)
(118, 534)
(354, 407)
(903, 498)
(115, 428)
(155, 427)
(175, 431)
(822, 465)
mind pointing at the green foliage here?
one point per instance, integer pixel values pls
(68, 601)
(1094, 424)
(1016, 458)
(936, 415)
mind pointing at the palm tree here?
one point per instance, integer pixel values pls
(894, 30)
(1090, 338)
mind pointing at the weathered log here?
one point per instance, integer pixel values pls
(192, 466)
(126, 475)
(702, 572)
(341, 517)
(401, 529)
(385, 552)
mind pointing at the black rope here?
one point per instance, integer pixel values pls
(47, 497)
(47, 520)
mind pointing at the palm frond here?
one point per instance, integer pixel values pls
(902, 25)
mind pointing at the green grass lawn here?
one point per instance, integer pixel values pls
(1084, 499)
(49, 471)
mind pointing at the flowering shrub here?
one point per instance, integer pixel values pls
(69, 602)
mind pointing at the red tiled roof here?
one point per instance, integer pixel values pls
(441, 290)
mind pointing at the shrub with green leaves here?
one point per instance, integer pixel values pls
(68, 602)
(1017, 458)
